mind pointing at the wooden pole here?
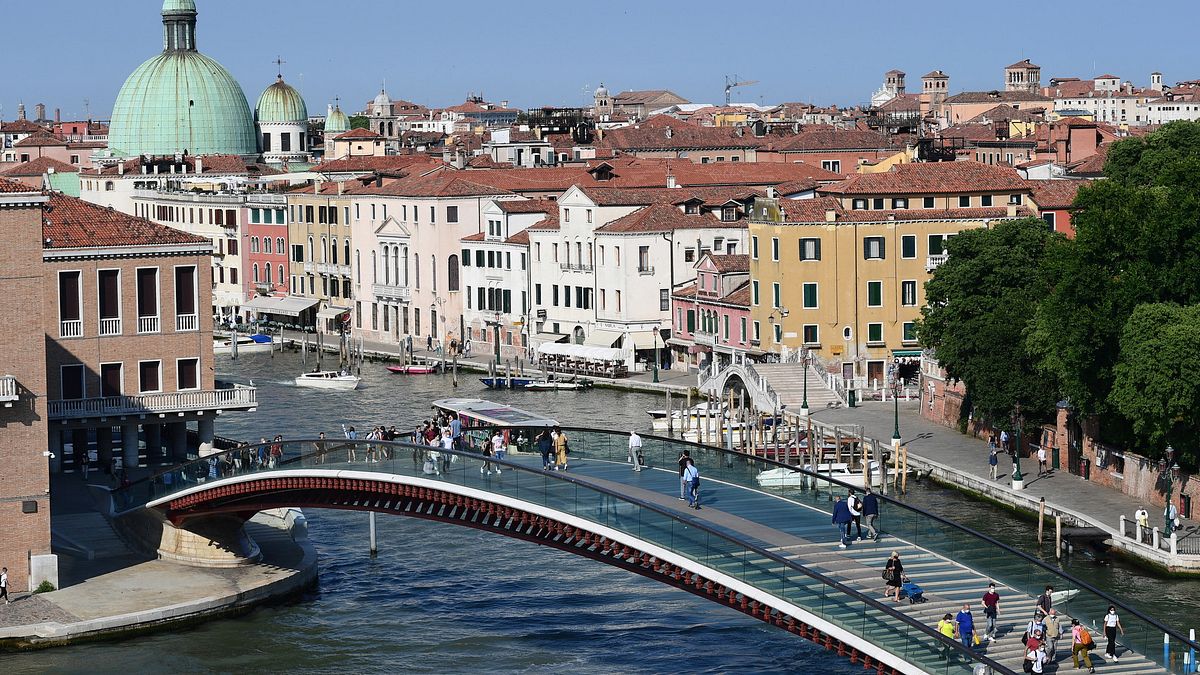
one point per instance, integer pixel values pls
(1058, 536)
(866, 465)
(904, 475)
(670, 421)
(1041, 518)
(374, 547)
(455, 382)
(687, 412)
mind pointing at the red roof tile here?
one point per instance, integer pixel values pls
(662, 131)
(931, 178)
(527, 205)
(20, 127)
(441, 184)
(1055, 194)
(39, 166)
(997, 96)
(12, 186)
(834, 139)
(661, 218)
(815, 211)
(74, 223)
(353, 134)
(731, 262)
(40, 139)
(550, 222)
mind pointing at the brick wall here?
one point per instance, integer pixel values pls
(24, 471)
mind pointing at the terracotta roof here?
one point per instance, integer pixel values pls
(970, 132)
(739, 296)
(1092, 165)
(368, 164)
(1055, 194)
(357, 134)
(1023, 63)
(834, 139)
(814, 211)
(212, 164)
(486, 162)
(521, 237)
(1106, 77)
(660, 218)
(609, 196)
(1004, 113)
(641, 96)
(527, 205)
(550, 222)
(74, 223)
(20, 127)
(12, 186)
(40, 139)
(931, 178)
(902, 103)
(731, 262)
(934, 73)
(478, 236)
(997, 96)
(441, 184)
(39, 166)
(663, 131)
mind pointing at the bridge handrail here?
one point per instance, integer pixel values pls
(1149, 647)
(323, 447)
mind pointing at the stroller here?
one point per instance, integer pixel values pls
(911, 590)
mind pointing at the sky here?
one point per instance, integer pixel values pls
(536, 53)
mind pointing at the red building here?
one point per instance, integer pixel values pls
(265, 246)
(711, 316)
(1054, 201)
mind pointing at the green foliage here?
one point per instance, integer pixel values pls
(1155, 386)
(980, 303)
(1169, 156)
(44, 587)
(360, 122)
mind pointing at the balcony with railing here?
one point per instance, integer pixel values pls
(70, 328)
(576, 267)
(935, 260)
(388, 292)
(186, 323)
(148, 324)
(238, 398)
(332, 268)
(646, 270)
(110, 326)
(8, 390)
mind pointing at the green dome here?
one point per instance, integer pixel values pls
(336, 122)
(181, 100)
(280, 102)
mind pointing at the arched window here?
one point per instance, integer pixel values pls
(281, 275)
(433, 272)
(346, 251)
(452, 273)
(333, 252)
(358, 266)
(267, 277)
(311, 258)
(324, 249)
(256, 273)
(406, 266)
(387, 270)
(374, 269)
(396, 264)
(417, 271)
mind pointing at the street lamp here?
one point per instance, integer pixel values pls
(1018, 422)
(897, 386)
(654, 372)
(1171, 471)
(804, 362)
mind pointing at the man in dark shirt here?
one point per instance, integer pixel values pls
(991, 609)
(684, 458)
(841, 519)
(870, 511)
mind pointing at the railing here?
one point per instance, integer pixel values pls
(186, 323)
(148, 324)
(576, 267)
(388, 291)
(645, 269)
(8, 389)
(239, 397)
(768, 572)
(933, 261)
(71, 328)
(332, 268)
(310, 267)
(260, 198)
(110, 326)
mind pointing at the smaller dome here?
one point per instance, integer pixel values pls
(280, 102)
(381, 99)
(602, 91)
(336, 121)
(178, 6)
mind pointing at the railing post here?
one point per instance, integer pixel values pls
(1122, 526)
(1174, 545)
(1154, 538)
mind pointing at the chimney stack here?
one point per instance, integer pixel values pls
(199, 165)
(341, 187)
(1012, 210)
(830, 215)
(671, 181)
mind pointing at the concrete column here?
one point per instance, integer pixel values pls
(178, 441)
(79, 447)
(205, 430)
(129, 444)
(55, 446)
(104, 447)
(154, 447)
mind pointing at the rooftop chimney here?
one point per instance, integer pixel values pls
(771, 193)
(121, 168)
(1012, 210)
(341, 187)
(199, 165)
(671, 181)
(830, 215)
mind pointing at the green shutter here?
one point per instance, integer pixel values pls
(874, 293)
(810, 295)
(691, 321)
(874, 332)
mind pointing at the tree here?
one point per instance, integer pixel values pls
(1169, 156)
(979, 304)
(360, 122)
(1155, 385)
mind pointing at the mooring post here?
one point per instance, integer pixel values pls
(374, 547)
(1058, 536)
(1041, 518)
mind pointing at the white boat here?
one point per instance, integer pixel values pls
(328, 379)
(793, 477)
(246, 344)
(695, 411)
(552, 385)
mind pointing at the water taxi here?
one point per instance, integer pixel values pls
(329, 379)
(413, 370)
(793, 477)
(475, 413)
(246, 344)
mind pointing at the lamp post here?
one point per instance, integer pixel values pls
(1018, 422)
(804, 361)
(654, 372)
(1171, 469)
(897, 387)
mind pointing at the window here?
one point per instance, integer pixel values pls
(452, 215)
(149, 376)
(900, 203)
(833, 165)
(285, 142)
(874, 294)
(910, 332)
(908, 293)
(112, 379)
(232, 247)
(742, 334)
(874, 333)
(777, 332)
(928, 202)
(554, 294)
(873, 248)
(1014, 199)
(877, 203)
(985, 200)
(775, 249)
(109, 296)
(644, 259)
(664, 300)
(725, 326)
(691, 321)
(69, 316)
(1049, 217)
(908, 246)
(937, 244)
(757, 331)
(187, 374)
(810, 295)
(72, 382)
(689, 255)
(266, 142)
(589, 215)
(754, 247)
(810, 248)
(754, 291)
(811, 334)
(776, 297)
(728, 214)
(537, 294)
(267, 247)
(452, 273)
(859, 204)
(618, 300)
(964, 201)
(254, 216)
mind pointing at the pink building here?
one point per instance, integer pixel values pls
(265, 246)
(711, 316)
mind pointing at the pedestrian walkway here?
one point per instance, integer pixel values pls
(1102, 506)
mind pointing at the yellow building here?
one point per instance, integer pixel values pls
(844, 274)
(319, 255)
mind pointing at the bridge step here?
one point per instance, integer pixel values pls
(787, 380)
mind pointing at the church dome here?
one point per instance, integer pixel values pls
(181, 100)
(336, 121)
(382, 100)
(280, 102)
(602, 92)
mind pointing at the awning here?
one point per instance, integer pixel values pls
(602, 338)
(550, 337)
(642, 339)
(332, 312)
(575, 351)
(285, 306)
(906, 352)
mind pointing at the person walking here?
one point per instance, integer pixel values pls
(1081, 644)
(854, 505)
(993, 457)
(4, 584)
(946, 627)
(964, 624)
(1142, 518)
(545, 445)
(893, 576)
(870, 511)
(635, 450)
(991, 610)
(486, 448)
(447, 446)
(561, 448)
(692, 474)
(499, 447)
(456, 431)
(684, 458)
(1036, 657)
(1041, 454)
(1045, 601)
(1112, 624)
(1053, 633)
(842, 520)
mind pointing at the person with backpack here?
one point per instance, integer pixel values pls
(1035, 660)
(692, 475)
(854, 505)
(1033, 630)
(1081, 644)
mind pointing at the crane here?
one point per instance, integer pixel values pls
(731, 82)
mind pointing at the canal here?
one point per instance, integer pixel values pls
(446, 599)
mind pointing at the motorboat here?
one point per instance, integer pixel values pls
(246, 344)
(328, 379)
(506, 382)
(554, 385)
(702, 409)
(794, 477)
(413, 369)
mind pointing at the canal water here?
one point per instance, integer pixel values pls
(447, 599)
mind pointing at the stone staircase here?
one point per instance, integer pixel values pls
(787, 380)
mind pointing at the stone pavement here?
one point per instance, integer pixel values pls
(967, 455)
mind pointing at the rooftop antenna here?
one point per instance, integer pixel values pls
(279, 66)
